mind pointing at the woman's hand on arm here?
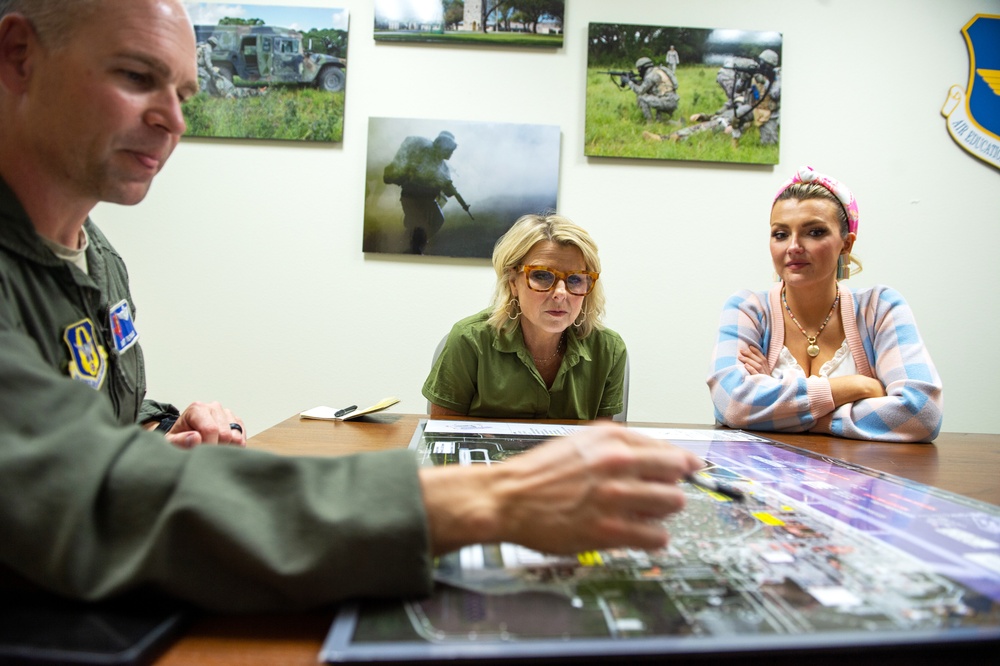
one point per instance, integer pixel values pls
(753, 360)
(601, 487)
(845, 389)
(855, 387)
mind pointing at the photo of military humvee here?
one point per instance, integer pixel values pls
(268, 72)
(264, 54)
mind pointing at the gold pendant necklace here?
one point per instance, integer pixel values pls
(813, 348)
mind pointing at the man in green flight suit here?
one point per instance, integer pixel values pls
(90, 110)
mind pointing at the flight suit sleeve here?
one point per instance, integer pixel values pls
(101, 508)
(151, 410)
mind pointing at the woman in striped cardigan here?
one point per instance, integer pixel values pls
(812, 355)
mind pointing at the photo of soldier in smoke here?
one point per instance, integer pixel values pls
(706, 94)
(753, 99)
(420, 171)
(451, 188)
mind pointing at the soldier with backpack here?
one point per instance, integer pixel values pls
(419, 169)
(753, 99)
(656, 93)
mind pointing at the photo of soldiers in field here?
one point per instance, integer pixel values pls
(476, 22)
(451, 188)
(675, 93)
(269, 72)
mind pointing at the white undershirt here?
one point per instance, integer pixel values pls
(841, 365)
(76, 257)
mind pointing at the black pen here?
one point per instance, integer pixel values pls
(714, 486)
(344, 411)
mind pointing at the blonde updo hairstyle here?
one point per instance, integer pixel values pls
(510, 251)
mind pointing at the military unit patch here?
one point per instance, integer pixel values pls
(974, 114)
(88, 360)
(122, 329)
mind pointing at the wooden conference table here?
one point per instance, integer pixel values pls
(967, 464)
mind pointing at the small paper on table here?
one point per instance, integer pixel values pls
(328, 413)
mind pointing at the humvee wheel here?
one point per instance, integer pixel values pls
(331, 79)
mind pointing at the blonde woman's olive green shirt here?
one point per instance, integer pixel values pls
(485, 373)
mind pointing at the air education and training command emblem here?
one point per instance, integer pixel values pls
(88, 360)
(974, 116)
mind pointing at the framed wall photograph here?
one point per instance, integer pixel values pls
(677, 93)
(525, 23)
(452, 187)
(269, 72)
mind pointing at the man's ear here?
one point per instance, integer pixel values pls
(18, 43)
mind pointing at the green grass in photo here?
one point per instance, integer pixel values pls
(615, 125)
(278, 112)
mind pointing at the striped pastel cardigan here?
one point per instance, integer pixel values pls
(885, 344)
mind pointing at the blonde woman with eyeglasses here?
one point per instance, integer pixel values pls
(540, 350)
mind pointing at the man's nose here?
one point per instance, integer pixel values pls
(167, 114)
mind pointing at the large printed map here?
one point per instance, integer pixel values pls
(821, 552)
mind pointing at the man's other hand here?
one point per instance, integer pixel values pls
(207, 423)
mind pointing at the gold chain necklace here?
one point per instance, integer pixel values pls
(559, 348)
(813, 348)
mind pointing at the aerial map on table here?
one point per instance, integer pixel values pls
(819, 553)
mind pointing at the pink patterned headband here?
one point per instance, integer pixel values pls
(807, 174)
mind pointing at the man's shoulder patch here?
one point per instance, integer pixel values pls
(122, 329)
(88, 360)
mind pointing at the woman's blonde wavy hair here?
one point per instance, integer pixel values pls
(511, 249)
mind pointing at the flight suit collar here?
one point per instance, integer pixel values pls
(18, 235)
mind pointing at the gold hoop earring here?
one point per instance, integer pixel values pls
(581, 319)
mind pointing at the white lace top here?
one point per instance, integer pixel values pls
(841, 365)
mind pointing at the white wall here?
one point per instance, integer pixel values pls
(252, 288)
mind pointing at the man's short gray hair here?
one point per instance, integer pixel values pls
(54, 20)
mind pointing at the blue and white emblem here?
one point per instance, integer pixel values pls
(974, 114)
(88, 360)
(122, 329)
